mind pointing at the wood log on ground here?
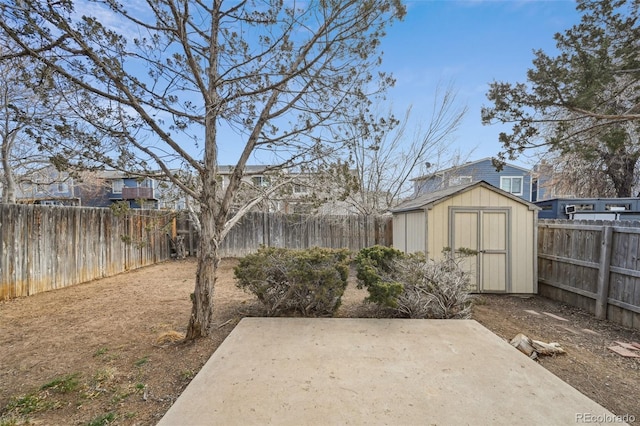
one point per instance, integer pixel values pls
(533, 348)
(552, 348)
(524, 345)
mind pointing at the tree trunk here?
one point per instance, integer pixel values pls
(208, 259)
(9, 187)
(622, 171)
(212, 219)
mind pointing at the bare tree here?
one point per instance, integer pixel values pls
(32, 108)
(391, 152)
(20, 109)
(570, 175)
(170, 82)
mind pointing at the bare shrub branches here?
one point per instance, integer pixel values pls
(413, 286)
(433, 288)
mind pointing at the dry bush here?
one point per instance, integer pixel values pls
(433, 288)
(413, 286)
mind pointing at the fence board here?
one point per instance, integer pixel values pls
(48, 247)
(579, 266)
(299, 232)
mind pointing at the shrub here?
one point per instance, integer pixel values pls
(413, 286)
(310, 282)
(433, 288)
(375, 270)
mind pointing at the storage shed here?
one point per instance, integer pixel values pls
(500, 227)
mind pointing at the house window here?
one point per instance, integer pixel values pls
(584, 207)
(617, 207)
(148, 205)
(261, 181)
(299, 189)
(302, 208)
(117, 185)
(62, 187)
(459, 180)
(512, 184)
(546, 207)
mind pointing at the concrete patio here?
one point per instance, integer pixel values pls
(295, 371)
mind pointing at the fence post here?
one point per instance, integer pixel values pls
(603, 273)
(190, 228)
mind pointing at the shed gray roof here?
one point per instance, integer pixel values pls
(436, 197)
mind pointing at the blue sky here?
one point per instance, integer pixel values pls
(469, 43)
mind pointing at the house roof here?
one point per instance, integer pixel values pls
(463, 166)
(248, 169)
(111, 174)
(118, 174)
(223, 169)
(436, 197)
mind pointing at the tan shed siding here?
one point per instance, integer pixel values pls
(518, 260)
(522, 256)
(522, 238)
(497, 223)
(523, 251)
(438, 231)
(465, 224)
(495, 232)
(415, 235)
(399, 231)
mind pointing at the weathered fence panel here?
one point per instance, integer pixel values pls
(593, 265)
(296, 231)
(47, 247)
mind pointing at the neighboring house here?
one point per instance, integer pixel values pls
(107, 187)
(296, 192)
(257, 181)
(170, 197)
(547, 183)
(590, 208)
(47, 186)
(283, 191)
(310, 193)
(512, 179)
(543, 185)
(91, 189)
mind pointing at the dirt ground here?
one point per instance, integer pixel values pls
(106, 352)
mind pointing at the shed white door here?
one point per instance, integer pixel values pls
(487, 232)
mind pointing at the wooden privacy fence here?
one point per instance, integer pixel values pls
(593, 265)
(48, 247)
(45, 247)
(297, 232)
